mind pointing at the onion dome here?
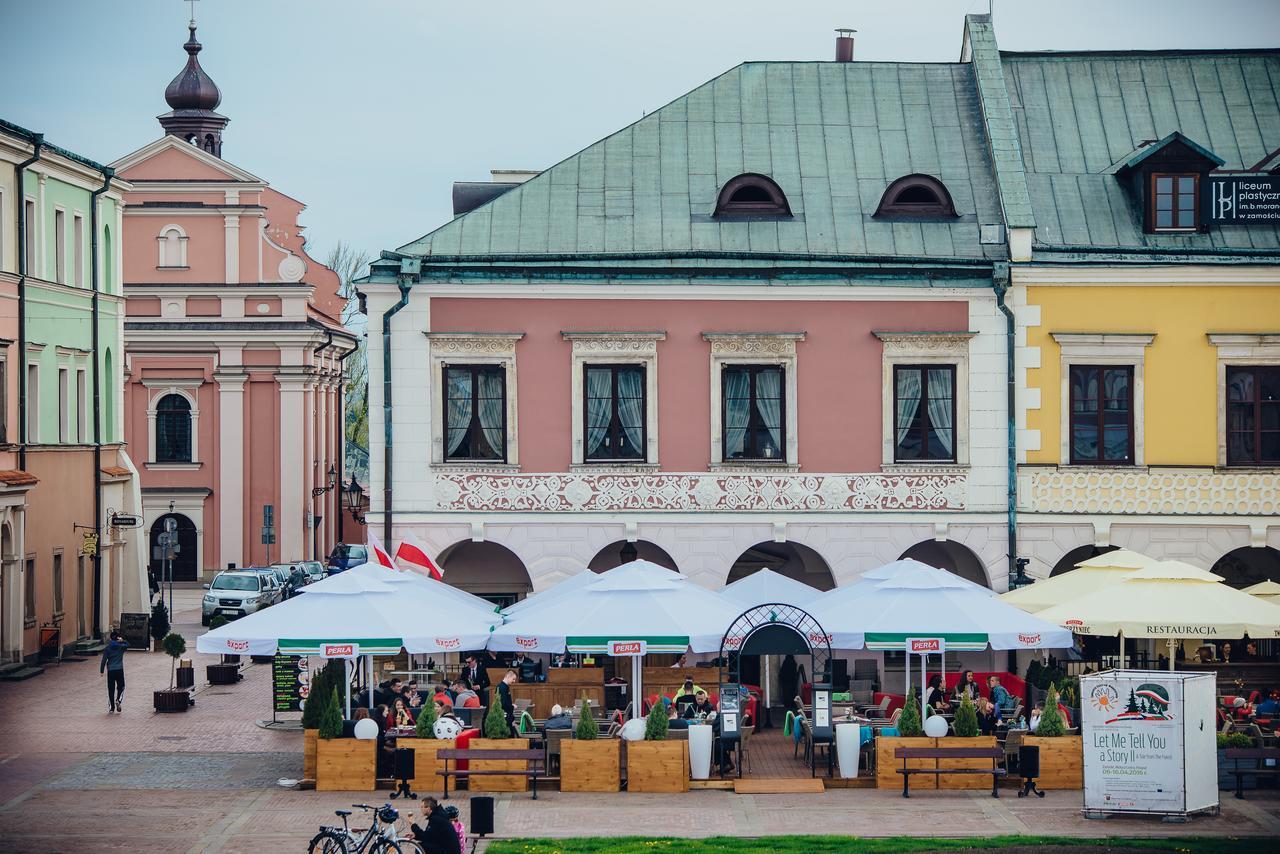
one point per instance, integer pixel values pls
(192, 89)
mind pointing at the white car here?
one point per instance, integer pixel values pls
(234, 594)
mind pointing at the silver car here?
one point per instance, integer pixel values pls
(272, 589)
(234, 594)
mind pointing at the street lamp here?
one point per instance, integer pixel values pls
(332, 478)
(354, 494)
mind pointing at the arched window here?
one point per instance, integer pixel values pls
(752, 195)
(916, 196)
(173, 246)
(173, 429)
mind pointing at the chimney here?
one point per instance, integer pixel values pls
(844, 45)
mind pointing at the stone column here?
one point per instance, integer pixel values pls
(231, 223)
(293, 464)
(319, 420)
(231, 495)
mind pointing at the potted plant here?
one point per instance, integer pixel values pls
(656, 764)
(313, 708)
(497, 736)
(589, 763)
(910, 734)
(1227, 780)
(1061, 755)
(172, 699)
(967, 734)
(228, 671)
(342, 764)
(159, 624)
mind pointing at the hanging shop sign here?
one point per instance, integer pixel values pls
(1242, 199)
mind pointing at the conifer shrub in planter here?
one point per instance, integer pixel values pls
(966, 731)
(425, 746)
(342, 764)
(589, 763)
(1061, 755)
(497, 736)
(172, 699)
(656, 764)
(910, 734)
(313, 708)
(159, 624)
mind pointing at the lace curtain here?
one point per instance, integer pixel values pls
(737, 412)
(940, 395)
(599, 404)
(908, 401)
(458, 417)
(631, 407)
(491, 405)
(769, 402)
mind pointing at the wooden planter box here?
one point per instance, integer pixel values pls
(1061, 761)
(309, 739)
(962, 781)
(171, 700)
(656, 766)
(887, 776)
(346, 764)
(425, 764)
(222, 674)
(498, 783)
(594, 765)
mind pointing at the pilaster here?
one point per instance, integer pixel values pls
(230, 467)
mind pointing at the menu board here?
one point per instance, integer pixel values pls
(135, 629)
(290, 682)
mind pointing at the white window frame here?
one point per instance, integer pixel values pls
(1124, 349)
(613, 348)
(32, 236)
(157, 389)
(473, 348)
(33, 402)
(4, 257)
(755, 348)
(162, 246)
(1239, 350)
(82, 406)
(60, 244)
(64, 404)
(923, 348)
(78, 248)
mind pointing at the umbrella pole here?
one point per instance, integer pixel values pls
(924, 670)
(636, 698)
(1171, 642)
(370, 685)
(1121, 650)
(346, 670)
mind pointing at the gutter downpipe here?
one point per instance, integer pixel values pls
(37, 142)
(94, 271)
(342, 435)
(403, 283)
(1000, 284)
(315, 529)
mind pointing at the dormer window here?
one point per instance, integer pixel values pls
(916, 196)
(752, 195)
(1175, 201)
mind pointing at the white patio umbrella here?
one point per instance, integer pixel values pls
(560, 588)
(765, 587)
(1267, 591)
(638, 601)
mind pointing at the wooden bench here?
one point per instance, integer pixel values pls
(1258, 754)
(532, 771)
(995, 754)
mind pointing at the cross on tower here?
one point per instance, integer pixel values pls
(193, 11)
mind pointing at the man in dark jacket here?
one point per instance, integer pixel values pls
(504, 697)
(113, 665)
(438, 837)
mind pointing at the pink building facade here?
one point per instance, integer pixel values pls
(233, 350)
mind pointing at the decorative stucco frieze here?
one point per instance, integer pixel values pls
(716, 492)
(753, 343)
(1152, 492)
(473, 344)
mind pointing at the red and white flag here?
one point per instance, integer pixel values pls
(413, 554)
(378, 552)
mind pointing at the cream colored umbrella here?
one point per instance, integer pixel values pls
(1267, 591)
(1170, 600)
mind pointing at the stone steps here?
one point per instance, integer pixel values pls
(18, 671)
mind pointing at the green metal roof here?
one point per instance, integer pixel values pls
(832, 135)
(1081, 114)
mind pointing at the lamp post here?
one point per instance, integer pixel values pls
(354, 493)
(331, 478)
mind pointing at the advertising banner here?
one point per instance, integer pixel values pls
(1134, 759)
(290, 682)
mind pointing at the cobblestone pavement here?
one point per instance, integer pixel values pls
(74, 779)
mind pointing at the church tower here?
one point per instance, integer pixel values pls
(193, 95)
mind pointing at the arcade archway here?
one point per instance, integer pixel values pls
(185, 561)
(951, 556)
(793, 560)
(1247, 566)
(489, 570)
(1077, 555)
(617, 553)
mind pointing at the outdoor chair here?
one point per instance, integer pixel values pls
(1012, 744)
(554, 737)
(521, 705)
(677, 735)
(879, 711)
(1263, 739)
(890, 721)
(744, 748)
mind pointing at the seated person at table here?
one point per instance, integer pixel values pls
(442, 695)
(1251, 652)
(702, 706)
(674, 721)
(349, 727)
(688, 688)
(464, 697)
(937, 700)
(1270, 707)
(525, 667)
(1000, 696)
(401, 717)
(560, 719)
(1227, 655)
(967, 686)
(1034, 723)
(987, 716)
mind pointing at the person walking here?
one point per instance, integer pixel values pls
(113, 665)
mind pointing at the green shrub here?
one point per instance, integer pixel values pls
(218, 621)
(588, 730)
(1051, 722)
(966, 722)
(655, 726)
(1233, 739)
(425, 725)
(174, 645)
(317, 698)
(495, 720)
(159, 621)
(1035, 671)
(331, 718)
(909, 723)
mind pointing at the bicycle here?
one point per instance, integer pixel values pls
(377, 839)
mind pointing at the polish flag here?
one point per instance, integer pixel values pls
(378, 551)
(414, 554)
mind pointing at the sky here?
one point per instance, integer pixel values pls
(369, 110)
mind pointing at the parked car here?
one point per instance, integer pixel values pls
(234, 594)
(293, 582)
(347, 555)
(272, 588)
(314, 569)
